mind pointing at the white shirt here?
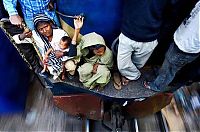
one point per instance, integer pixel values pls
(187, 36)
(57, 35)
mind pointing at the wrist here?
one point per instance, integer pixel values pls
(13, 13)
(73, 42)
(21, 37)
(77, 29)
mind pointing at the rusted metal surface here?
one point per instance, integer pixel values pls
(90, 106)
(149, 106)
(81, 105)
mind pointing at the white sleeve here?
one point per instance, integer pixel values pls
(18, 41)
(63, 32)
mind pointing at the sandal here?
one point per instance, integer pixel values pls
(100, 88)
(117, 81)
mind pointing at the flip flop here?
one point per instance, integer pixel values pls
(117, 81)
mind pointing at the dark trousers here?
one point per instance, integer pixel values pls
(175, 59)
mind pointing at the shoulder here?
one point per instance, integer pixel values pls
(108, 51)
(59, 31)
(35, 35)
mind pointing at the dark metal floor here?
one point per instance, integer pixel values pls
(133, 90)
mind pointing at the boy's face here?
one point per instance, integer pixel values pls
(45, 29)
(63, 45)
(100, 51)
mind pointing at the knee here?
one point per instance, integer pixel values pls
(70, 65)
(103, 70)
(123, 65)
(107, 74)
(85, 68)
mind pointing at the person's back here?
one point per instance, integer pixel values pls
(142, 19)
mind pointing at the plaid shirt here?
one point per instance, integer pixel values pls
(29, 8)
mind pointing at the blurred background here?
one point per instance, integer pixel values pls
(40, 114)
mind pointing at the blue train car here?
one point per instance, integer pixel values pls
(14, 77)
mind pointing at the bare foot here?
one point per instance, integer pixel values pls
(125, 81)
(99, 88)
(63, 76)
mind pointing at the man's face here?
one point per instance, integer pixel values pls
(100, 51)
(45, 29)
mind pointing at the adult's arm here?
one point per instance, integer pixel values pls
(10, 6)
(18, 40)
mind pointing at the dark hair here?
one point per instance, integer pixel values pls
(96, 47)
(41, 18)
(93, 47)
(66, 39)
(42, 22)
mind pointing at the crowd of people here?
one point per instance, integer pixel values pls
(91, 58)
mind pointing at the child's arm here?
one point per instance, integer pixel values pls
(78, 23)
(48, 52)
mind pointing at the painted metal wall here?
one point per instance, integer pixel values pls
(101, 16)
(14, 77)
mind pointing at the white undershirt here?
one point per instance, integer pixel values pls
(187, 36)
